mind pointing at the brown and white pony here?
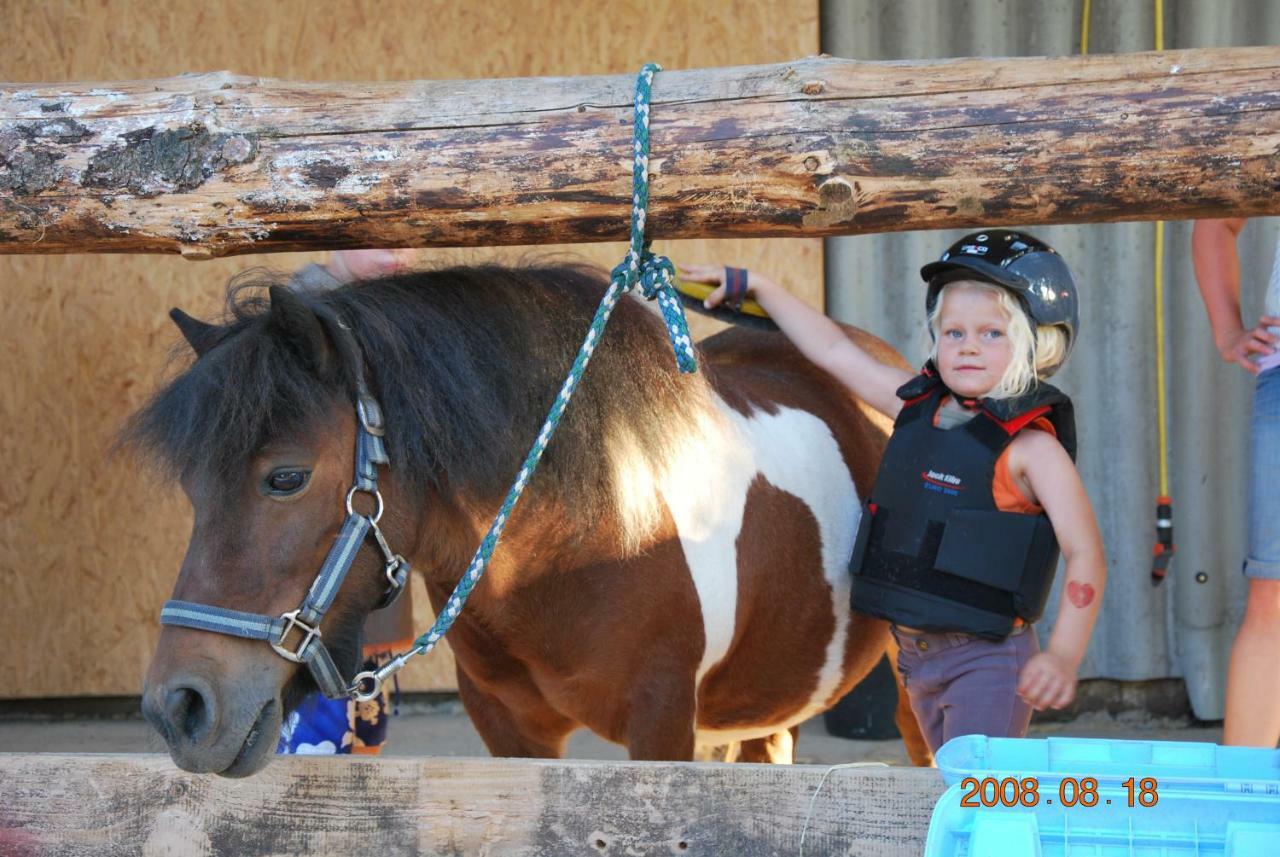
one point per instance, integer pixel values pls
(674, 577)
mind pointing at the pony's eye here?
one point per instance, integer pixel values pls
(287, 481)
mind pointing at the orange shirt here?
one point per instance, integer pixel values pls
(1005, 490)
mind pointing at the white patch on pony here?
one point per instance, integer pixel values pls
(705, 489)
(795, 452)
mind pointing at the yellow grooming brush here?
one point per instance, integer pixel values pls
(750, 314)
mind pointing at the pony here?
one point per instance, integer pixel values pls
(674, 578)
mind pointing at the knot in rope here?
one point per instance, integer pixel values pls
(655, 275)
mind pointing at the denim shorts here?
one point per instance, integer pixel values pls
(1264, 479)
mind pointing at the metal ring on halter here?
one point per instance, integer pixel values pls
(369, 679)
(377, 496)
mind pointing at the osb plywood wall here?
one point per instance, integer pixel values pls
(89, 543)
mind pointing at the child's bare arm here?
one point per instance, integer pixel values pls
(818, 338)
(1049, 679)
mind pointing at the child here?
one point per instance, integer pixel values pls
(958, 545)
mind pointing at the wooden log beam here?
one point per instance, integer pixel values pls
(140, 804)
(220, 164)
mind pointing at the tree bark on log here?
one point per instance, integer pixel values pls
(220, 164)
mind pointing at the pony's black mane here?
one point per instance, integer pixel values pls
(466, 362)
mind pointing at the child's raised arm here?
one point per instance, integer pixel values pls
(818, 338)
(1049, 678)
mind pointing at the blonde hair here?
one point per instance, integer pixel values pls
(1034, 356)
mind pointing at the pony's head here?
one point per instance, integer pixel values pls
(261, 433)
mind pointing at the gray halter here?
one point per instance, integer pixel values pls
(303, 624)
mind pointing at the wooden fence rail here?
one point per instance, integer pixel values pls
(220, 164)
(105, 805)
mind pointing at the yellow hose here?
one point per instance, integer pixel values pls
(1084, 29)
(1164, 548)
(1161, 399)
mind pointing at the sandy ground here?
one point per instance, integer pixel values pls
(442, 729)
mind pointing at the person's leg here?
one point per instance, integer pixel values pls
(904, 716)
(1253, 677)
(981, 696)
(386, 632)
(369, 719)
(915, 669)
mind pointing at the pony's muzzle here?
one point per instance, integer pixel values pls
(184, 711)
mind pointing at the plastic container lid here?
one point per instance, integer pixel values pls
(1182, 764)
(1207, 801)
(1180, 823)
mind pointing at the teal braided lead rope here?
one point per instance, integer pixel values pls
(655, 276)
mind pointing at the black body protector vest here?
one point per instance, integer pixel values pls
(933, 552)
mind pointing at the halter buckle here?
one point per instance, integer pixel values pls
(309, 633)
(396, 572)
(370, 414)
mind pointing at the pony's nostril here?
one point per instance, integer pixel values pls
(188, 713)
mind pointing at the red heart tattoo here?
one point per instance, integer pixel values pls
(1080, 594)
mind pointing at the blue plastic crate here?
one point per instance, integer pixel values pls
(1212, 801)
(1183, 763)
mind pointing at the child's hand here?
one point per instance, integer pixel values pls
(716, 274)
(348, 265)
(1047, 681)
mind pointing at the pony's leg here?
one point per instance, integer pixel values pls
(917, 748)
(778, 748)
(662, 717)
(536, 731)
(718, 752)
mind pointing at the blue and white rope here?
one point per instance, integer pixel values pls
(655, 276)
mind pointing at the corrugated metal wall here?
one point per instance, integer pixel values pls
(1185, 626)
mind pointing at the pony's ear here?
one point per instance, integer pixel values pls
(200, 335)
(301, 328)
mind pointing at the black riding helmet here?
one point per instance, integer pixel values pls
(1024, 265)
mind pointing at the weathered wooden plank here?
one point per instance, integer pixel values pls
(220, 164)
(116, 805)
